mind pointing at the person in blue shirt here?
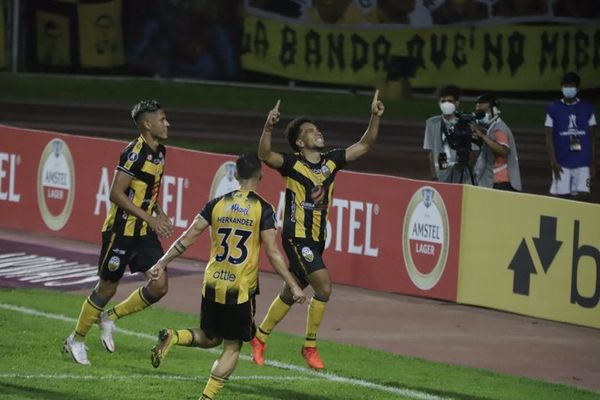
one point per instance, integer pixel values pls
(570, 125)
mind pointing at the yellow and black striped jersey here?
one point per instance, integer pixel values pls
(308, 193)
(236, 219)
(146, 167)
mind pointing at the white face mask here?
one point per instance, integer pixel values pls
(569, 92)
(485, 120)
(447, 108)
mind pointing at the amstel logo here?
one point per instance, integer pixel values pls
(56, 184)
(425, 238)
(224, 180)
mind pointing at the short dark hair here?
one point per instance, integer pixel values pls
(248, 166)
(449, 90)
(571, 77)
(142, 107)
(488, 98)
(292, 130)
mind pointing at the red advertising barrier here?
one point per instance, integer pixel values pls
(384, 233)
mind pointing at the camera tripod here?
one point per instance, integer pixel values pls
(460, 171)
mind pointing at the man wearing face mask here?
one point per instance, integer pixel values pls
(498, 163)
(570, 125)
(442, 158)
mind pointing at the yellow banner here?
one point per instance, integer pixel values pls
(53, 39)
(101, 34)
(509, 57)
(2, 36)
(532, 255)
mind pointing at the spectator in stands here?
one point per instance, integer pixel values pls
(335, 12)
(441, 157)
(456, 11)
(576, 9)
(391, 12)
(498, 163)
(570, 132)
(519, 8)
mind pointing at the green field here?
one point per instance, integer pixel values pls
(35, 322)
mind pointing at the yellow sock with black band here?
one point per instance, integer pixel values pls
(213, 387)
(277, 311)
(316, 310)
(185, 337)
(90, 312)
(137, 301)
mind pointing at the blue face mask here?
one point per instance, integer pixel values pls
(569, 92)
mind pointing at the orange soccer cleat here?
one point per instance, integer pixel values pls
(258, 351)
(311, 356)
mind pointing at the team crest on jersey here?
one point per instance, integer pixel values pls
(56, 184)
(426, 238)
(114, 263)
(307, 254)
(325, 171)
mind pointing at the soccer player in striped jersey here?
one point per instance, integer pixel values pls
(309, 173)
(240, 222)
(130, 232)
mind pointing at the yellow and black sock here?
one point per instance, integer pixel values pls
(213, 387)
(316, 310)
(90, 312)
(137, 301)
(184, 337)
(276, 313)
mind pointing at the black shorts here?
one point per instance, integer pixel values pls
(305, 257)
(228, 321)
(118, 251)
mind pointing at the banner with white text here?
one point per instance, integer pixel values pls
(399, 236)
(504, 57)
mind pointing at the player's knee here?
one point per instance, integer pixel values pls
(323, 293)
(106, 289)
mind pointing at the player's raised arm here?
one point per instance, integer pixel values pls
(186, 239)
(272, 158)
(361, 147)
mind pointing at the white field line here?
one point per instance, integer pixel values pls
(152, 376)
(410, 393)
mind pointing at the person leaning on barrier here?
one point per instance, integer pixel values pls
(498, 163)
(570, 125)
(442, 158)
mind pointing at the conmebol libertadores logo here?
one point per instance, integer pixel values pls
(425, 237)
(56, 184)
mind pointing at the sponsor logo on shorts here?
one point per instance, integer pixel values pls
(307, 254)
(114, 263)
(426, 238)
(56, 184)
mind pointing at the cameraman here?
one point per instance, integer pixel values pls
(498, 164)
(442, 158)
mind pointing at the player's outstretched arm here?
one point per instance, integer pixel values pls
(186, 239)
(361, 147)
(279, 265)
(272, 158)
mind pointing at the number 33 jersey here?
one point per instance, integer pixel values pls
(236, 220)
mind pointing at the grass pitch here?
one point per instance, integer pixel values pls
(35, 322)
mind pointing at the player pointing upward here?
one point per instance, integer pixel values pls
(309, 173)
